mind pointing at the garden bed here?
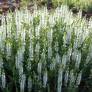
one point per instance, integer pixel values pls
(41, 50)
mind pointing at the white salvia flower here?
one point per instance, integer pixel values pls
(79, 78)
(23, 36)
(45, 79)
(74, 54)
(17, 21)
(49, 36)
(75, 44)
(68, 19)
(1, 66)
(43, 56)
(79, 14)
(35, 6)
(20, 70)
(59, 85)
(72, 78)
(43, 21)
(49, 52)
(69, 53)
(66, 77)
(31, 51)
(37, 30)
(90, 23)
(3, 80)
(1, 62)
(22, 82)
(17, 63)
(64, 60)
(37, 48)
(1, 40)
(76, 30)
(53, 64)
(56, 46)
(68, 37)
(29, 65)
(88, 59)
(19, 58)
(81, 40)
(29, 84)
(2, 74)
(58, 59)
(8, 48)
(39, 67)
(27, 16)
(78, 59)
(35, 13)
(51, 21)
(46, 11)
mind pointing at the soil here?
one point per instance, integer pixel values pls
(4, 7)
(86, 14)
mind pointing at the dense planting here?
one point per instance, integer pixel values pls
(45, 52)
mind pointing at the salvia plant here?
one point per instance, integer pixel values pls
(45, 52)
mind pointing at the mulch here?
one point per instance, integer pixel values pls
(86, 14)
(4, 7)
